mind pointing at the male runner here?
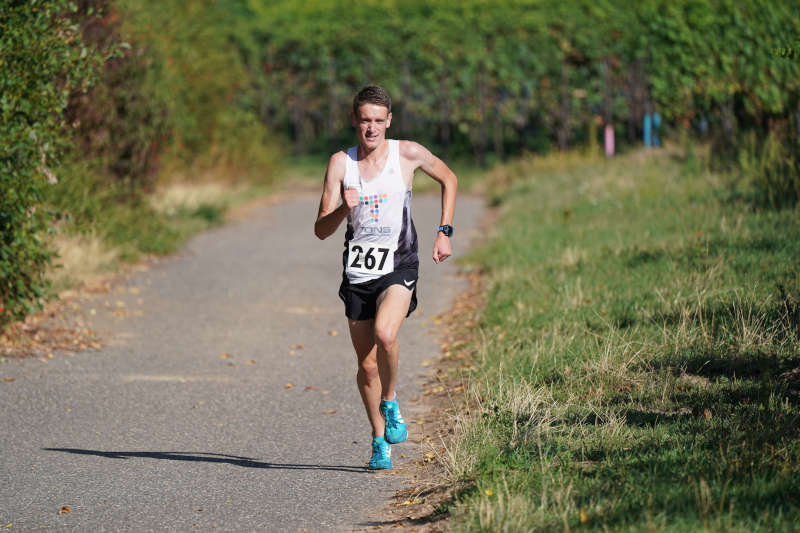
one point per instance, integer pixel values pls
(373, 182)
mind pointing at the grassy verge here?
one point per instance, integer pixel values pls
(106, 225)
(637, 365)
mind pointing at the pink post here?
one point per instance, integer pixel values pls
(609, 140)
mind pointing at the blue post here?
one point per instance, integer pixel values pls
(647, 125)
(656, 129)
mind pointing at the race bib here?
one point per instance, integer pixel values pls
(370, 258)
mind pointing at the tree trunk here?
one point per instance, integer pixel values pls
(562, 130)
(444, 119)
(333, 105)
(407, 117)
(635, 99)
(483, 133)
(497, 133)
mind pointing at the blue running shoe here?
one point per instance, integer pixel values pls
(381, 454)
(396, 430)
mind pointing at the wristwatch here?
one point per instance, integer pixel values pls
(447, 229)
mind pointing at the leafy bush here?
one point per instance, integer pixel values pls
(506, 76)
(43, 61)
(772, 169)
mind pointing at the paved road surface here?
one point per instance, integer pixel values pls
(157, 432)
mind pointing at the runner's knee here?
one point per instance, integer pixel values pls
(368, 367)
(386, 336)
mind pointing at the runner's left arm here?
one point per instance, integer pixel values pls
(434, 167)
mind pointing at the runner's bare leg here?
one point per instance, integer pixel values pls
(392, 307)
(362, 334)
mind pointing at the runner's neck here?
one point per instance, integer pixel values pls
(376, 155)
(374, 163)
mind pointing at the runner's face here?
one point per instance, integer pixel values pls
(371, 123)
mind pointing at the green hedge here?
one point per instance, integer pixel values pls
(43, 60)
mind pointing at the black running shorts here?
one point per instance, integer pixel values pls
(360, 298)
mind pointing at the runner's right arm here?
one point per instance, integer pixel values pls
(331, 213)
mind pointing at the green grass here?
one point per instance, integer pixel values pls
(121, 222)
(638, 361)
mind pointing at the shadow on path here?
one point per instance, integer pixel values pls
(210, 458)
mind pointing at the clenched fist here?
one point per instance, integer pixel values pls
(350, 197)
(441, 248)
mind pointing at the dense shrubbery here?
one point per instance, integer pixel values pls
(173, 99)
(488, 77)
(43, 61)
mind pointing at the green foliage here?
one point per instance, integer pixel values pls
(637, 357)
(196, 88)
(772, 169)
(43, 61)
(479, 76)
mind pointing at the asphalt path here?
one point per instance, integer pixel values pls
(159, 431)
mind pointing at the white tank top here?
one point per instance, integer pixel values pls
(380, 237)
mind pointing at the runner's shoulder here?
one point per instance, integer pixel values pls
(413, 151)
(337, 165)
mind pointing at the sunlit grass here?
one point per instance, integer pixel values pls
(102, 227)
(638, 360)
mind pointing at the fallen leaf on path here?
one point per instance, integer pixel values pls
(420, 422)
(311, 387)
(231, 364)
(50, 355)
(8, 380)
(584, 517)
(333, 332)
(64, 510)
(224, 356)
(330, 412)
(326, 392)
(251, 362)
(297, 346)
(289, 385)
(291, 352)
(134, 290)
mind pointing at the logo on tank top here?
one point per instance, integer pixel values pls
(374, 230)
(373, 201)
